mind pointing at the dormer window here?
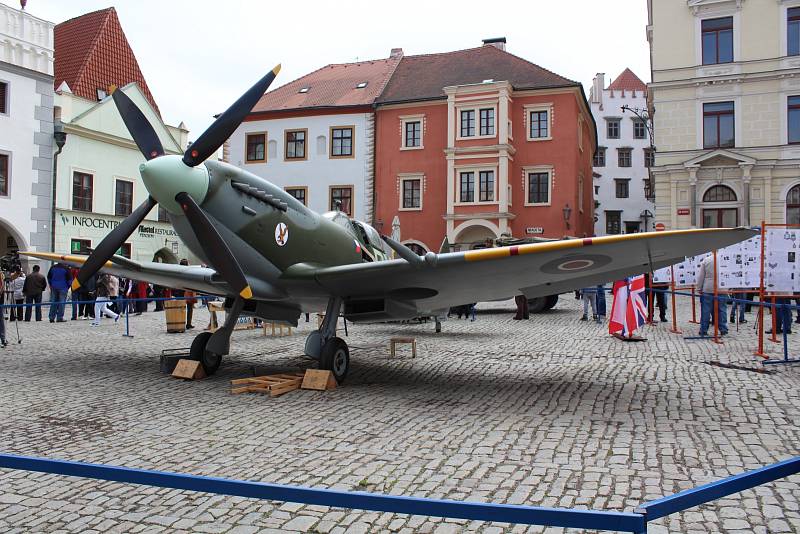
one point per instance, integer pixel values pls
(303, 89)
(361, 85)
(101, 94)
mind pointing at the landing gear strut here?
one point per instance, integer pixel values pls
(209, 348)
(322, 345)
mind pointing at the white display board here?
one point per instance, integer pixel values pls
(780, 267)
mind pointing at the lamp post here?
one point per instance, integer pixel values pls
(644, 116)
(60, 137)
(567, 211)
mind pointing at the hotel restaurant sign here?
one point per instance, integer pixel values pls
(101, 223)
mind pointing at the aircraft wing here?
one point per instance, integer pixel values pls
(441, 281)
(192, 277)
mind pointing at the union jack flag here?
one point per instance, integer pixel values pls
(628, 311)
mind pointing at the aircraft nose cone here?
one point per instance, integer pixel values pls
(167, 176)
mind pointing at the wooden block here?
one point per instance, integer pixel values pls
(189, 369)
(319, 380)
(284, 387)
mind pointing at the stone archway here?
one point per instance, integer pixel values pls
(472, 236)
(12, 241)
(164, 255)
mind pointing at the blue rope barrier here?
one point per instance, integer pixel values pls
(721, 488)
(502, 513)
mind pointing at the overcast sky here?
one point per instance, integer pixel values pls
(198, 56)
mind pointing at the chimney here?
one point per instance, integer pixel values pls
(598, 84)
(396, 53)
(497, 42)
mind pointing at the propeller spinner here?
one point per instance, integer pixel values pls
(179, 190)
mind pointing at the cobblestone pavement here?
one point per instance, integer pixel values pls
(550, 411)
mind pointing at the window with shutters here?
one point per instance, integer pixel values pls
(4, 98)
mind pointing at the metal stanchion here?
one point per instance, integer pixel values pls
(674, 328)
(694, 313)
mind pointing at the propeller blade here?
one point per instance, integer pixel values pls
(115, 239)
(139, 127)
(214, 247)
(222, 128)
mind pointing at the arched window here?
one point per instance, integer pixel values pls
(793, 205)
(719, 193)
(720, 217)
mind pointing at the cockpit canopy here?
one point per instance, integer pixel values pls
(363, 232)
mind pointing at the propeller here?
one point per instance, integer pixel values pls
(222, 128)
(112, 242)
(140, 128)
(214, 247)
(149, 144)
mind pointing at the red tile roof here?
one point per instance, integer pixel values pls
(424, 77)
(331, 86)
(92, 52)
(628, 81)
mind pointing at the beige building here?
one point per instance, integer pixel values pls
(726, 100)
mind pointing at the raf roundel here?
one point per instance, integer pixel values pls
(281, 234)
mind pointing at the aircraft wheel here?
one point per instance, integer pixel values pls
(537, 305)
(209, 360)
(550, 302)
(335, 357)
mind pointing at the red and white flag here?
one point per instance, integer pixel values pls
(628, 311)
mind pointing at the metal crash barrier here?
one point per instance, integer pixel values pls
(635, 522)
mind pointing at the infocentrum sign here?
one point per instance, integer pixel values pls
(102, 223)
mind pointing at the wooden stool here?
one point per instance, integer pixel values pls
(213, 309)
(399, 340)
(280, 328)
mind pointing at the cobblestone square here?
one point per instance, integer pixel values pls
(550, 411)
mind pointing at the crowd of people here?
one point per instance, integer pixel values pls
(104, 295)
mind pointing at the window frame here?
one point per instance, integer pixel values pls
(5, 102)
(790, 19)
(298, 188)
(789, 108)
(247, 147)
(352, 189)
(116, 196)
(626, 183)
(90, 174)
(476, 170)
(125, 245)
(490, 128)
(624, 150)
(795, 205)
(600, 150)
(411, 178)
(165, 219)
(527, 171)
(8, 158)
(639, 123)
(352, 153)
(619, 222)
(475, 108)
(410, 119)
(538, 108)
(286, 144)
(609, 122)
(717, 32)
(483, 173)
(649, 157)
(718, 114)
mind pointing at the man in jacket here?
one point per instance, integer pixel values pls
(35, 284)
(706, 282)
(59, 279)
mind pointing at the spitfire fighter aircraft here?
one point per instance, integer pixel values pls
(271, 257)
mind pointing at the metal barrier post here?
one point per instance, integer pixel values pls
(127, 320)
(674, 328)
(716, 304)
(694, 313)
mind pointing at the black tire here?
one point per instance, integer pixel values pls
(335, 357)
(208, 360)
(550, 302)
(537, 305)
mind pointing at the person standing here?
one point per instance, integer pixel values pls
(3, 341)
(35, 284)
(76, 295)
(17, 285)
(112, 286)
(660, 293)
(600, 299)
(59, 279)
(522, 308)
(589, 296)
(103, 300)
(705, 283)
(88, 294)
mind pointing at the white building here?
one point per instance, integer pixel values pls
(26, 130)
(315, 136)
(98, 181)
(621, 162)
(97, 169)
(726, 93)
